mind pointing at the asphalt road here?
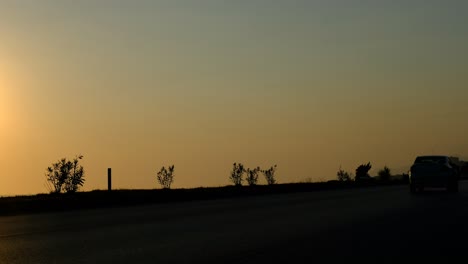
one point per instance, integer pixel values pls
(378, 224)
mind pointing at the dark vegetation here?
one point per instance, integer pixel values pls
(362, 172)
(343, 176)
(385, 174)
(166, 176)
(238, 170)
(236, 174)
(252, 176)
(65, 177)
(270, 175)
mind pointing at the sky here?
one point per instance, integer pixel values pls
(311, 86)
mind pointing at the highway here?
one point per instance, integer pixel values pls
(376, 224)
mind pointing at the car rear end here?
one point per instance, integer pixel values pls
(435, 173)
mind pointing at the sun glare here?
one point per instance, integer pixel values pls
(2, 94)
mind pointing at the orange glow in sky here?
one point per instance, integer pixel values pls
(5, 87)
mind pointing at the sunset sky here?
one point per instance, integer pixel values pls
(307, 85)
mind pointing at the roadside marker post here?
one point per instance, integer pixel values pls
(109, 179)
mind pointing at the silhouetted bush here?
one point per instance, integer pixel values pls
(405, 178)
(166, 177)
(65, 175)
(252, 176)
(384, 174)
(236, 174)
(343, 175)
(270, 175)
(362, 172)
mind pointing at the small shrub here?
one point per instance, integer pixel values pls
(343, 175)
(270, 175)
(385, 174)
(166, 177)
(252, 176)
(65, 175)
(236, 174)
(362, 172)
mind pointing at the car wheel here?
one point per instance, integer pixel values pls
(412, 188)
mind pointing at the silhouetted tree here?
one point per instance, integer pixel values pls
(236, 174)
(76, 176)
(166, 177)
(270, 175)
(343, 175)
(252, 176)
(65, 175)
(362, 172)
(385, 174)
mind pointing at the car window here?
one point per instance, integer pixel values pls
(430, 159)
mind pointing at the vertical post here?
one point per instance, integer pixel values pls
(109, 179)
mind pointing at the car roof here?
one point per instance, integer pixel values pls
(433, 156)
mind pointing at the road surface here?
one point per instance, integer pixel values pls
(378, 224)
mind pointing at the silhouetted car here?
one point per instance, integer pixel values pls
(433, 171)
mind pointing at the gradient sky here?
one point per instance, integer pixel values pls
(308, 85)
